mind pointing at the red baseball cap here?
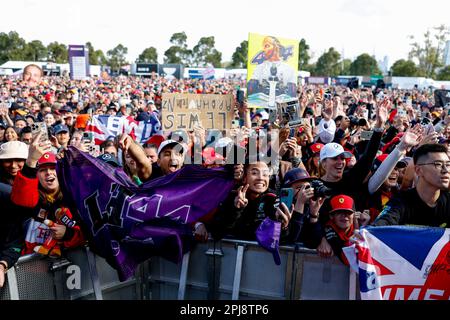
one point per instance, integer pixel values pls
(156, 139)
(316, 147)
(47, 158)
(342, 203)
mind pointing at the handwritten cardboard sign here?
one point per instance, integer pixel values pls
(184, 111)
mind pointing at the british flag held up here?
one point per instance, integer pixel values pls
(403, 263)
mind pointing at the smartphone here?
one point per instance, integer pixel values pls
(39, 127)
(88, 137)
(366, 135)
(271, 203)
(235, 124)
(241, 95)
(94, 150)
(287, 197)
(292, 133)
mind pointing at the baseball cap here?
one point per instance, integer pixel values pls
(170, 143)
(379, 160)
(295, 175)
(331, 150)
(14, 150)
(156, 139)
(60, 128)
(317, 147)
(65, 108)
(342, 203)
(268, 237)
(110, 159)
(47, 158)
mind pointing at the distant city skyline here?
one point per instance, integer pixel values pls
(377, 27)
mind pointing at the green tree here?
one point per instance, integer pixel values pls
(96, 57)
(328, 64)
(345, 67)
(149, 55)
(205, 54)
(12, 47)
(35, 51)
(404, 68)
(116, 57)
(444, 74)
(178, 52)
(303, 55)
(430, 53)
(240, 56)
(57, 52)
(364, 65)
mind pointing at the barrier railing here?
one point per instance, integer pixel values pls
(217, 270)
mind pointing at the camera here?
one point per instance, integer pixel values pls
(320, 190)
(327, 96)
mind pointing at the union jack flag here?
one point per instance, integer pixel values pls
(105, 127)
(403, 263)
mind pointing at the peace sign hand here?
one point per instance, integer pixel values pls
(241, 200)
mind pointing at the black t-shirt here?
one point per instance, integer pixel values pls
(156, 171)
(407, 208)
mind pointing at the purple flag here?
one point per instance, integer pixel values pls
(127, 224)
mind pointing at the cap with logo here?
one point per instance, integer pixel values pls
(342, 203)
(332, 150)
(47, 158)
(110, 159)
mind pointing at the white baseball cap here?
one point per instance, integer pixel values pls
(14, 150)
(172, 143)
(332, 150)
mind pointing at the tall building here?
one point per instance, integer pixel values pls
(384, 65)
(447, 54)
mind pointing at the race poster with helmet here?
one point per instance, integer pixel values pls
(271, 70)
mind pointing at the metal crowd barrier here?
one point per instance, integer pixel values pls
(222, 270)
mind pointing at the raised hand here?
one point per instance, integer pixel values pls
(241, 200)
(382, 113)
(411, 138)
(36, 150)
(284, 215)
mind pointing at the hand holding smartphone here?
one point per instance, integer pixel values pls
(39, 127)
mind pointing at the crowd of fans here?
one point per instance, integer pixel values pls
(367, 156)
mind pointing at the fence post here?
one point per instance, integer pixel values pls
(183, 276)
(237, 272)
(215, 255)
(12, 284)
(94, 275)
